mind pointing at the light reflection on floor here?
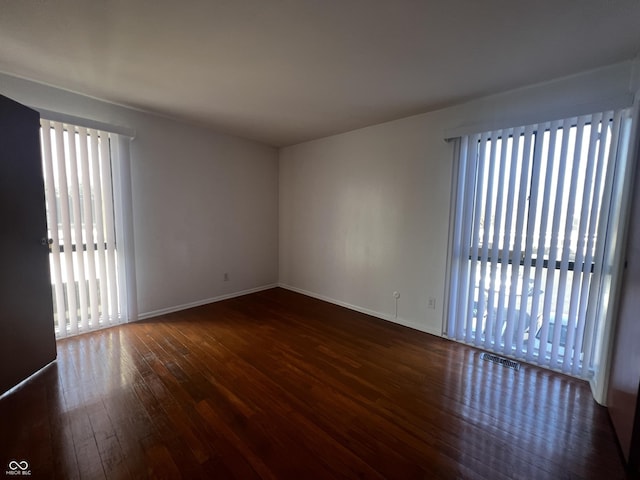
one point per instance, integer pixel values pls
(539, 407)
(98, 358)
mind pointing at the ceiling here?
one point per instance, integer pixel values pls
(286, 71)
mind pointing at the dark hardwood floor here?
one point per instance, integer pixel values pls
(276, 385)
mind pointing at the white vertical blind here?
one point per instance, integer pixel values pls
(87, 232)
(109, 231)
(124, 228)
(76, 209)
(77, 165)
(530, 238)
(52, 219)
(65, 226)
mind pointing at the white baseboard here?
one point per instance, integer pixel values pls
(198, 303)
(389, 318)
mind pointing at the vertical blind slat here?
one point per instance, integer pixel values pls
(466, 296)
(107, 195)
(476, 240)
(93, 313)
(496, 268)
(99, 225)
(52, 215)
(487, 264)
(63, 198)
(506, 244)
(522, 202)
(76, 228)
(460, 179)
(525, 290)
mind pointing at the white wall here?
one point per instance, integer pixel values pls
(204, 203)
(366, 213)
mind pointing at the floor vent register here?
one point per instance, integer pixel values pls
(505, 362)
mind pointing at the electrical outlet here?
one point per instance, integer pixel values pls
(431, 303)
(225, 277)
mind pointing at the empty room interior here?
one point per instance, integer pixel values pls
(339, 239)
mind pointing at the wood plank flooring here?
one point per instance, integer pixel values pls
(276, 385)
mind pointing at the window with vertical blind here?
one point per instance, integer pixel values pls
(86, 271)
(535, 212)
